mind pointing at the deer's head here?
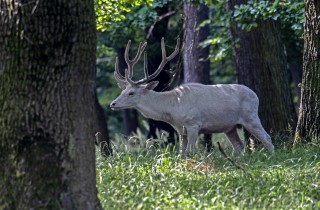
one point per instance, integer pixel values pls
(132, 91)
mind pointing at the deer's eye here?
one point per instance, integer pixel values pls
(131, 93)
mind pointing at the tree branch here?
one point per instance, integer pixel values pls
(159, 19)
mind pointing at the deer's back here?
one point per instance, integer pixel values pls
(216, 94)
(216, 106)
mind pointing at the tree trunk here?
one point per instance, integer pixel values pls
(159, 30)
(308, 128)
(101, 129)
(47, 105)
(130, 120)
(129, 116)
(295, 65)
(196, 64)
(154, 51)
(261, 65)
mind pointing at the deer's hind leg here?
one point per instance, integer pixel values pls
(256, 129)
(235, 140)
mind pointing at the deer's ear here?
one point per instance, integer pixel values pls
(151, 85)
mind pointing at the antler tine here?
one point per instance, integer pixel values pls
(165, 59)
(176, 50)
(120, 79)
(117, 71)
(145, 68)
(132, 62)
(146, 74)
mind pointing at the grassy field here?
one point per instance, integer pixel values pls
(148, 179)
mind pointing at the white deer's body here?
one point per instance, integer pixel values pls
(200, 109)
(195, 108)
(211, 108)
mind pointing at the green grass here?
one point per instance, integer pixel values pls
(289, 179)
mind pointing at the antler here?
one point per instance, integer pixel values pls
(122, 81)
(132, 62)
(164, 61)
(164, 58)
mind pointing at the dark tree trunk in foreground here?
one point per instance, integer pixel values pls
(129, 116)
(261, 65)
(47, 105)
(308, 128)
(196, 64)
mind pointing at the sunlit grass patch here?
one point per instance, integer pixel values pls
(195, 166)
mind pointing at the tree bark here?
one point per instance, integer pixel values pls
(47, 105)
(308, 128)
(196, 64)
(261, 65)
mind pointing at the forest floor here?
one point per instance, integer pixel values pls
(158, 179)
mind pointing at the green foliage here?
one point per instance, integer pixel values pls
(134, 25)
(287, 180)
(290, 13)
(160, 4)
(109, 11)
(222, 68)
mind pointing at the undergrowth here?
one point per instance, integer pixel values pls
(160, 179)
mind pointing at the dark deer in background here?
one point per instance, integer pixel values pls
(191, 108)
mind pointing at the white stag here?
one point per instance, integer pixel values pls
(194, 108)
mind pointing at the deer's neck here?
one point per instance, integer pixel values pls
(157, 105)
